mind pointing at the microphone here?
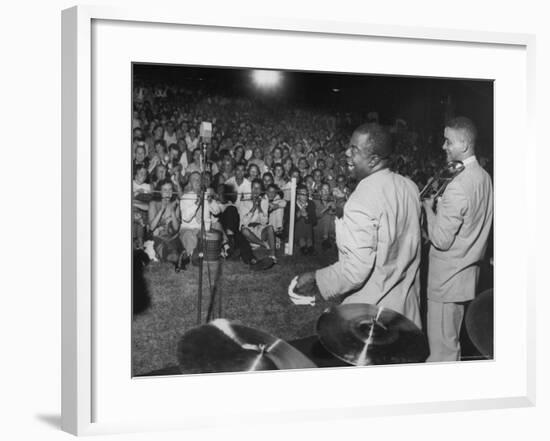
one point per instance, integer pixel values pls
(205, 132)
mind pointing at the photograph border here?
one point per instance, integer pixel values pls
(78, 202)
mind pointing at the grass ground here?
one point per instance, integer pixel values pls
(256, 299)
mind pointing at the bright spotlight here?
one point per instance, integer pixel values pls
(266, 79)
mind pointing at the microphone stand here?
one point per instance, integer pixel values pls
(202, 231)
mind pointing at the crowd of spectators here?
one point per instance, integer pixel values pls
(254, 152)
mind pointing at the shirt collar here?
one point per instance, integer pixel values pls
(470, 160)
(382, 171)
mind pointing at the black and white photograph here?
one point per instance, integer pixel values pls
(298, 219)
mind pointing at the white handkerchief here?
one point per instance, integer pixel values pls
(298, 299)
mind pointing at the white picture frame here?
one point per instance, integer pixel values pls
(83, 388)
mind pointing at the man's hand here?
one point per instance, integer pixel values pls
(305, 284)
(428, 204)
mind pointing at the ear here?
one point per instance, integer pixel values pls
(374, 160)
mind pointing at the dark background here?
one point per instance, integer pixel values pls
(424, 103)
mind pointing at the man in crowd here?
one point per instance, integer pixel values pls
(239, 184)
(191, 213)
(458, 233)
(378, 237)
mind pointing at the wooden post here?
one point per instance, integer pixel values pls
(289, 248)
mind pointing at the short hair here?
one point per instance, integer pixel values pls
(138, 168)
(466, 126)
(253, 165)
(379, 140)
(161, 142)
(193, 174)
(259, 182)
(164, 182)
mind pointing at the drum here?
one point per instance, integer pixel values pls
(213, 245)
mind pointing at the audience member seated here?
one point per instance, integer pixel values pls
(140, 204)
(190, 208)
(254, 214)
(164, 223)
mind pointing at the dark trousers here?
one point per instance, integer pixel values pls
(230, 220)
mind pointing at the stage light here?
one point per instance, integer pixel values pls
(266, 79)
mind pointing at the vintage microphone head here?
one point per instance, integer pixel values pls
(205, 132)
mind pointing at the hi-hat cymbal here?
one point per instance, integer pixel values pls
(479, 323)
(226, 346)
(361, 334)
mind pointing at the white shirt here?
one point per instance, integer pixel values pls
(191, 212)
(243, 190)
(248, 217)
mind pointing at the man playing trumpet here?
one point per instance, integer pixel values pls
(458, 234)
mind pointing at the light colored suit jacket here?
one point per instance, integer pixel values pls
(378, 241)
(458, 235)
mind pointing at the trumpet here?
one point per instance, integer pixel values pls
(437, 184)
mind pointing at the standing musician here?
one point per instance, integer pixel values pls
(378, 236)
(458, 234)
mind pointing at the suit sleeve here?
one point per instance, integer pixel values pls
(444, 226)
(357, 238)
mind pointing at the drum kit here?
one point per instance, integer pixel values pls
(350, 335)
(346, 335)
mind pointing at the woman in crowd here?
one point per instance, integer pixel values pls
(140, 204)
(257, 159)
(279, 176)
(276, 208)
(164, 223)
(195, 165)
(253, 172)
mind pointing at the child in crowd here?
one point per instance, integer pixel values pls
(305, 220)
(326, 213)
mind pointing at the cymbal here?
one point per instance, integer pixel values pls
(227, 346)
(361, 334)
(479, 322)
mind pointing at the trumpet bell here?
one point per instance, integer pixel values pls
(437, 184)
(452, 169)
